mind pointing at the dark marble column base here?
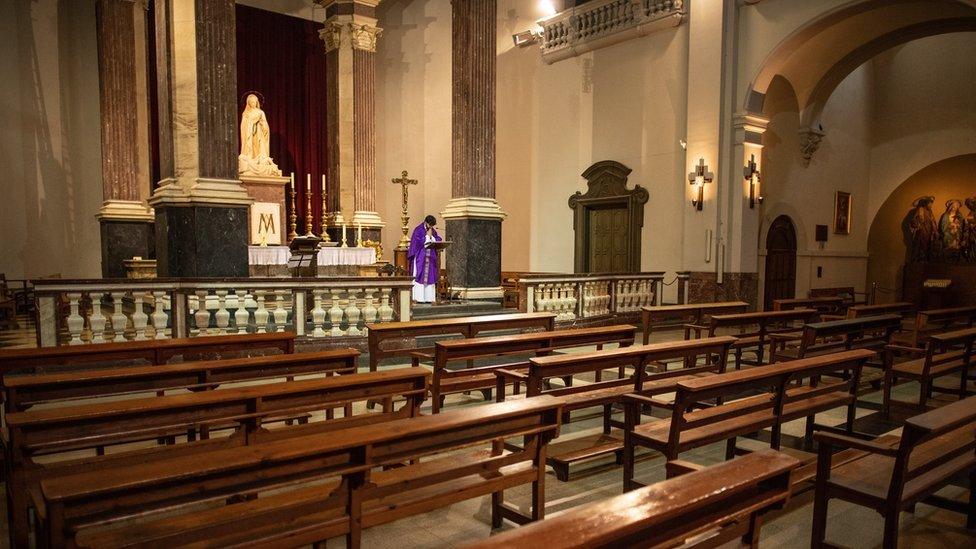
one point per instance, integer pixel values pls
(125, 239)
(474, 261)
(704, 288)
(201, 240)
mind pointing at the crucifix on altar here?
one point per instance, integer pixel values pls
(400, 253)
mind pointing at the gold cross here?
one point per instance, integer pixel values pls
(404, 181)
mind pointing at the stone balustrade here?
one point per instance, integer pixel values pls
(601, 23)
(98, 311)
(586, 296)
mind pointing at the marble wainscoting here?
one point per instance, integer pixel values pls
(201, 241)
(122, 240)
(474, 260)
(703, 287)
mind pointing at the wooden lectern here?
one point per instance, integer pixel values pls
(443, 284)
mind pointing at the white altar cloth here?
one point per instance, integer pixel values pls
(278, 255)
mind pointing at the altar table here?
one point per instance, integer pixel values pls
(328, 256)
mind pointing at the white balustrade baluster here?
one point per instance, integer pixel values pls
(571, 300)
(335, 313)
(353, 313)
(369, 310)
(241, 316)
(261, 314)
(139, 317)
(159, 315)
(318, 314)
(222, 316)
(97, 320)
(118, 318)
(202, 316)
(75, 322)
(280, 313)
(385, 310)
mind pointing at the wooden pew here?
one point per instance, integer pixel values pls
(154, 351)
(820, 338)
(763, 324)
(944, 354)
(713, 353)
(935, 447)
(87, 502)
(465, 327)
(934, 321)
(482, 378)
(705, 508)
(786, 392)
(24, 391)
(861, 311)
(690, 313)
(846, 293)
(59, 432)
(828, 305)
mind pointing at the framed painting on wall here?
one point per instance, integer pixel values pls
(842, 213)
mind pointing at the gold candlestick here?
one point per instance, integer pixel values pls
(308, 204)
(293, 216)
(403, 181)
(325, 214)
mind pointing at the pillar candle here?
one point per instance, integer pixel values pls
(359, 234)
(343, 233)
(308, 180)
(323, 184)
(292, 181)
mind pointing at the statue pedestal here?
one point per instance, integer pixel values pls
(266, 189)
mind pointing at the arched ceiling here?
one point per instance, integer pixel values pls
(817, 57)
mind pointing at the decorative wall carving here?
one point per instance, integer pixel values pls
(810, 139)
(608, 215)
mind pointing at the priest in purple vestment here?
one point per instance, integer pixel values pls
(423, 262)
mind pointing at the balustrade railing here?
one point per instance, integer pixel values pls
(96, 311)
(599, 23)
(582, 296)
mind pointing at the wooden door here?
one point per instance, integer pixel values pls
(608, 231)
(780, 261)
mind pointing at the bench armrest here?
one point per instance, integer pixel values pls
(503, 377)
(834, 439)
(510, 375)
(905, 349)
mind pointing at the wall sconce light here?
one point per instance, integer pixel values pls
(752, 176)
(525, 39)
(698, 178)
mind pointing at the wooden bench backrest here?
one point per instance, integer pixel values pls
(638, 357)
(667, 513)
(486, 320)
(859, 311)
(761, 318)
(872, 328)
(477, 347)
(23, 391)
(155, 351)
(822, 304)
(938, 347)
(55, 430)
(954, 425)
(688, 312)
(940, 319)
(845, 292)
(141, 488)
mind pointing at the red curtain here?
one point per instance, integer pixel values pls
(282, 59)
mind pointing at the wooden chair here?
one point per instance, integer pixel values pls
(483, 378)
(677, 315)
(465, 327)
(753, 330)
(944, 354)
(713, 353)
(935, 447)
(707, 508)
(786, 392)
(353, 496)
(42, 444)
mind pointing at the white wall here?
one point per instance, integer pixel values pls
(50, 147)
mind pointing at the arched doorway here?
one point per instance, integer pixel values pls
(780, 261)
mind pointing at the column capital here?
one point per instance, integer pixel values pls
(479, 207)
(358, 34)
(748, 128)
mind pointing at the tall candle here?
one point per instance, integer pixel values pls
(292, 181)
(323, 184)
(309, 182)
(359, 234)
(343, 233)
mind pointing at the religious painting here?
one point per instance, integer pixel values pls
(842, 213)
(266, 223)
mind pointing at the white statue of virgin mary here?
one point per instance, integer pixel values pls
(255, 158)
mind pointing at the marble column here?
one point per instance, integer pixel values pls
(125, 220)
(350, 35)
(200, 204)
(473, 217)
